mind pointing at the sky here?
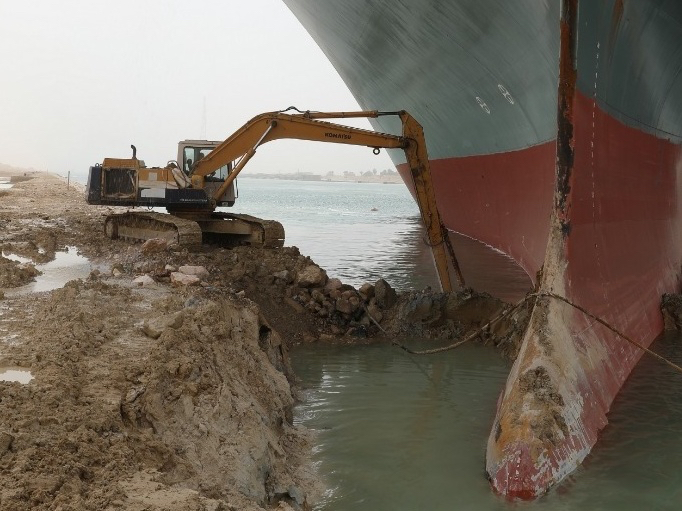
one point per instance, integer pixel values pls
(82, 80)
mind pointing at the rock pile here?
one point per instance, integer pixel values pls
(350, 311)
(323, 308)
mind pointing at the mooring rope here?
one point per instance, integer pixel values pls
(468, 338)
(507, 312)
(412, 359)
(614, 330)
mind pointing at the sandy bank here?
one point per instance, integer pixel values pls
(142, 397)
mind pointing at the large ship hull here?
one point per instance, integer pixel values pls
(481, 77)
(615, 243)
(555, 132)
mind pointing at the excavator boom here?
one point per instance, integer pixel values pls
(242, 145)
(277, 125)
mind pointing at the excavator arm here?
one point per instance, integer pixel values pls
(278, 125)
(242, 145)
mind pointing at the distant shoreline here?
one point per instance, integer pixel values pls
(381, 179)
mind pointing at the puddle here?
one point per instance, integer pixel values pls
(64, 267)
(9, 339)
(16, 374)
(5, 183)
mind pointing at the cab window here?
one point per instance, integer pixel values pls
(188, 159)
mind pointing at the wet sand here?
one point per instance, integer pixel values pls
(142, 397)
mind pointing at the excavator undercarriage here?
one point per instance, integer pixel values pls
(141, 226)
(224, 229)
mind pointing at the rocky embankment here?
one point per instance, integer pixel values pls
(161, 380)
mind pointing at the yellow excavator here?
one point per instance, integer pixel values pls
(203, 178)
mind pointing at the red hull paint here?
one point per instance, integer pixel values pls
(623, 250)
(497, 208)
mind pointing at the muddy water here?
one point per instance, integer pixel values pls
(66, 266)
(15, 374)
(358, 232)
(398, 432)
(401, 433)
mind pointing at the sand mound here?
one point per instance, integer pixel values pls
(202, 413)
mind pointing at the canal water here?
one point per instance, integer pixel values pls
(399, 432)
(358, 232)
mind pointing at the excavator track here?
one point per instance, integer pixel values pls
(142, 226)
(237, 229)
(272, 232)
(224, 229)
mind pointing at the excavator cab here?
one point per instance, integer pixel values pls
(191, 152)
